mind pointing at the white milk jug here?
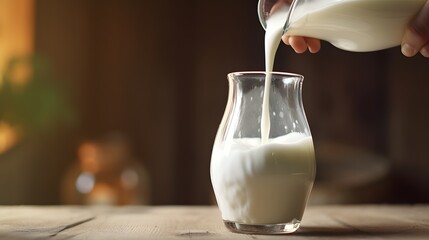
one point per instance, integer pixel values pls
(352, 25)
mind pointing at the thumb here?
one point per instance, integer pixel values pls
(417, 34)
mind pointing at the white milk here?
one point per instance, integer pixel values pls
(273, 35)
(263, 184)
(355, 25)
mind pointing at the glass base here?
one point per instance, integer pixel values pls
(280, 228)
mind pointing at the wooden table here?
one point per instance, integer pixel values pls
(204, 222)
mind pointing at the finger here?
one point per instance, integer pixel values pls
(412, 42)
(417, 33)
(285, 39)
(298, 44)
(425, 50)
(313, 44)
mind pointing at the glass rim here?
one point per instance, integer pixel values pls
(264, 73)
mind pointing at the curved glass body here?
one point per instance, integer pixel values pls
(263, 187)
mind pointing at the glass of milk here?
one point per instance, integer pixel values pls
(352, 25)
(262, 185)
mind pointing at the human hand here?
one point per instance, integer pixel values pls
(416, 37)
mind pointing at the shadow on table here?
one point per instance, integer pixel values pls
(365, 231)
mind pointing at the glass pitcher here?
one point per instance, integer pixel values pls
(263, 188)
(352, 25)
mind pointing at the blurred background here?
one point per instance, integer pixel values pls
(118, 102)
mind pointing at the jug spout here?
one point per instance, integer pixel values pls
(266, 8)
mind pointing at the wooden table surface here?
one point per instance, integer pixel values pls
(204, 222)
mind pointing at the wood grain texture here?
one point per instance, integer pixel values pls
(204, 222)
